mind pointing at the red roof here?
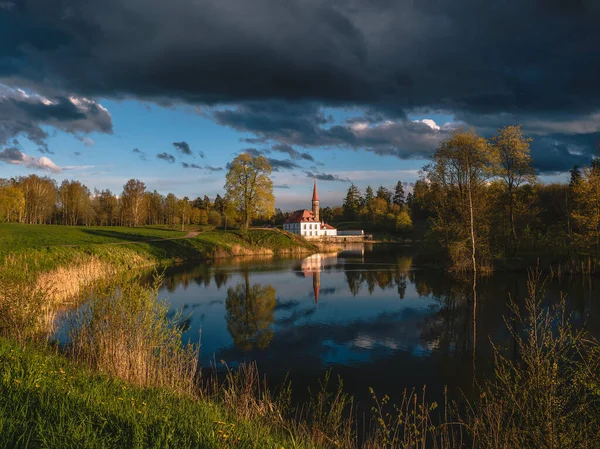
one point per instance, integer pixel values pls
(301, 215)
(315, 193)
(327, 226)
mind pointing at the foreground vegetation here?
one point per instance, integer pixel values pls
(49, 401)
(127, 380)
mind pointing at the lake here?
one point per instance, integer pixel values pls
(370, 313)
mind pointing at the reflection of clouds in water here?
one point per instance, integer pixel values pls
(295, 316)
(367, 342)
(286, 305)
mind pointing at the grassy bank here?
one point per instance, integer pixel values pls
(48, 401)
(66, 259)
(44, 247)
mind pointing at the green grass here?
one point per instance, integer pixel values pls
(45, 247)
(14, 236)
(48, 401)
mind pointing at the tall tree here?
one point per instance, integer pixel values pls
(513, 168)
(460, 167)
(40, 198)
(219, 204)
(369, 197)
(75, 200)
(398, 198)
(384, 194)
(586, 210)
(12, 204)
(134, 204)
(249, 188)
(352, 203)
(106, 208)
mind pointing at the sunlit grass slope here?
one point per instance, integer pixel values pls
(48, 401)
(45, 247)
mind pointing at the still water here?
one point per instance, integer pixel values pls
(369, 313)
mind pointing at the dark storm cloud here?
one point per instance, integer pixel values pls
(24, 114)
(254, 152)
(557, 153)
(284, 148)
(282, 164)
(166, 157)
(186, 165)
(390, 55)
(280, 62)
(213, 169)
(325, 177)
(305, 125)
(209, 168)
(183, 147)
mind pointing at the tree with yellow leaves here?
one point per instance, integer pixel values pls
(513, 168)
(249, 188)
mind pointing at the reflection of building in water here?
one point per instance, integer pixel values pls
(313, 265)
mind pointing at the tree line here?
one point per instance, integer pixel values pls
(482, 202)
(40, 200)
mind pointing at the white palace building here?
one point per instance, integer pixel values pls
(307, 224)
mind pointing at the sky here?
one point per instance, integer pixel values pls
(342, 91)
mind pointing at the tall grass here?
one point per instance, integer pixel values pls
(125, 331)
(545, 392)
(547, 395)
(26, 312)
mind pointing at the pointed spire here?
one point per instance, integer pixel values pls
(315, 193)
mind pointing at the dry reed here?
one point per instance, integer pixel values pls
(125, 331)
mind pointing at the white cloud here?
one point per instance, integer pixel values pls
(429, 122)
(16, 157)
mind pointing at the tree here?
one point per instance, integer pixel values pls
(384, 194)
(75, 201)
(575, 176)
(12, 204)
(369, 197)
(398, 198)
(106, 208)
(40, 198)
(379, 207)
(513, 167)
(134, 204)
(171, 208)
(156, 208)
(219, 204)
(404, 223)
(586, 210)
(352, 203)
(460, 167)
(249, 188)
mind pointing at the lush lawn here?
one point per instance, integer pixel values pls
(45, 247)
(47, 401)
(14, 237)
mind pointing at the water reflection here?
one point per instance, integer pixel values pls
(371, 313)
(250, 313)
